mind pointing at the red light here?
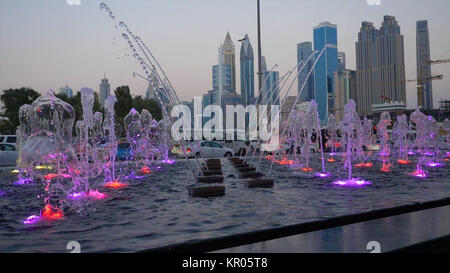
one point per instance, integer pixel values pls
(188, 150)
(51, 213)
(146, 170)
(115, 185)
(331, 160)
(307, 169)
(402, 161)
(50, 176)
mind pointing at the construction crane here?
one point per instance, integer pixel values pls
(421, 81)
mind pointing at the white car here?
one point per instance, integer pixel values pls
(208, 149)
(8, 139)
(8, 155)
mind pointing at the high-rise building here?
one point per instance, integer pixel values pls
(104, 90)
(344, 89)
(424, 94)
(271, 88)
(304, 51)
(325, 34)
(230, 59)
(366, 63)
(226, 77)
(390, 62)
(247, 71)
(341, 61)
(67, 91)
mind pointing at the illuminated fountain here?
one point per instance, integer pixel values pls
(400, 133)
(385, 121)
(351, 123)
(108, 127)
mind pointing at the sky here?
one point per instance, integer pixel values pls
(45, 44)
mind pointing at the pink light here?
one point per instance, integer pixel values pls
(32, 220)
(429, 153)
(435, 164)
(411, 153)
(323, 175)
(95, 194)
(419, 173)
(352, 183)
(332, 154)
(169, 161)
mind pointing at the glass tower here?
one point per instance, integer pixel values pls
(304, 51)
(247, 71)
(325, 34)
(424, 99)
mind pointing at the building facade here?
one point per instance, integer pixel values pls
(104, 90)
(230, 59)
(304, 51)
(390, 62)
(247, 71)
(325, 34)
(226, 77)
(424, 94)
(366, 68)
(345, 89)
(67, 91)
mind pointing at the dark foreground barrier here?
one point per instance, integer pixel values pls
(235, 240)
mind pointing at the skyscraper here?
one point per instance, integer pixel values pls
(247, 71)
(304, 51)
(366, 62)
(104, 90)
(345, 89)
(424, 94)
(325, 34)
(67, 91)
(226, 77)
(390, 63)
(341, 61)
(230, 59)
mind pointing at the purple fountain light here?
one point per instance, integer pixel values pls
(352, 183)
(32, 220)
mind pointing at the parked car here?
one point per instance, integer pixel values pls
(208, 149)
(8, 139)
(8, 155)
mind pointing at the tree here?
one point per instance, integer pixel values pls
(12, 100)
(151, 105)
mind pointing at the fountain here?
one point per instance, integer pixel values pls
(350, 127)
(385, 121)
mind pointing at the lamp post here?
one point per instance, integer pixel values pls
(259, 49)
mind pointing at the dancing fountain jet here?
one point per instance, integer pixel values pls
(385, 121)
(400, 132)
(350, 126)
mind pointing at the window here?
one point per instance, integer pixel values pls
(1, 139)
(205, 144)
(215, 145)
(11, 139)
(7, 148)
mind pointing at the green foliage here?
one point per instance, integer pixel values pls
(124, 104)
(12, 100)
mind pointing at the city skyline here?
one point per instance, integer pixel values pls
(100, 49)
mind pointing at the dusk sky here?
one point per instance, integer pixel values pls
(45, 44)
